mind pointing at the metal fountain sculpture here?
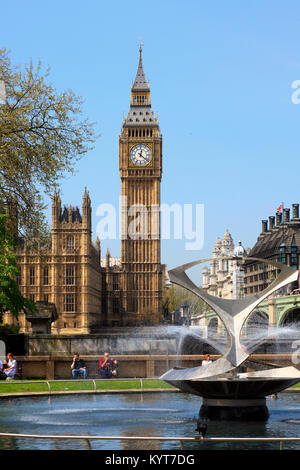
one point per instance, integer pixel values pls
(227, 392)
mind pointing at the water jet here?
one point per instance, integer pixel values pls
(227, 392)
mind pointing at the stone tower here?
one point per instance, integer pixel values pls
(75, 268)
(140, 165)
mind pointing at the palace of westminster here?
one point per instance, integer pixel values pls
(90, 292)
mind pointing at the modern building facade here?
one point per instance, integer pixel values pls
(90, 292)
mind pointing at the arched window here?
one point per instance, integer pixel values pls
(32, 276)
(69, 278)
(46, 276)
(70, 303)
(115, 282)
(70, 243)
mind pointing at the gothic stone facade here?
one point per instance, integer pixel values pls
(90, 292)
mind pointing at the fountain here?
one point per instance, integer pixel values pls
(229, 393)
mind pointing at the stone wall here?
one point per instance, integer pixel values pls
(58, 367)
(116, 341)
(131, 366)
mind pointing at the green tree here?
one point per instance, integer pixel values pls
(169, 299)
(11, 299)
(42, 134)
(175, 296)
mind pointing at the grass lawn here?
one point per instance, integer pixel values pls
(297, 385)
(80, 385)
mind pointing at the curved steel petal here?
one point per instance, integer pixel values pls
(232, 312)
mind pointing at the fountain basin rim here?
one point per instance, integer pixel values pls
(242, 379)
(234, 389)
(195, 375)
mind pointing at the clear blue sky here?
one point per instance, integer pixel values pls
(220, 75)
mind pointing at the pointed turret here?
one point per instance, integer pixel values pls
(140, 112)
(107, 264)
(140, 82)
(56, 209)
(86, 197)
(217, 247)
(97, 243)
(227, 244)
(56, 199)
(227, 235)
(86, 210)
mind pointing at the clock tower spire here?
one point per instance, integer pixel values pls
(140, 165)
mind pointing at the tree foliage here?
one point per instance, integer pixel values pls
(6, 330)
(176, 296)
(11, 299)
(42, 134)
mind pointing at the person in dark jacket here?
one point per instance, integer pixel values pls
(78, 367)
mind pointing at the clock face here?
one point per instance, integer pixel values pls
(140, 155)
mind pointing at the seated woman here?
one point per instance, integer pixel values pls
(11, 367)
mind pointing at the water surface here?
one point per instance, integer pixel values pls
(148, 414)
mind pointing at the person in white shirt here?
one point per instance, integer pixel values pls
(206, 360)
(11, 368)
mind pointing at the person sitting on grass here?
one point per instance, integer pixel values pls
(107, 367)
(10, 367)
(78, 367)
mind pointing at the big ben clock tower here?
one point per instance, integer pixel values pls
(140, 164)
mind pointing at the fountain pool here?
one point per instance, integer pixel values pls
(149, 414)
